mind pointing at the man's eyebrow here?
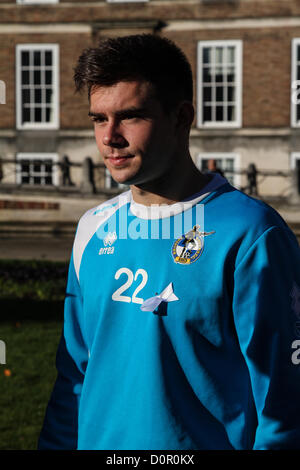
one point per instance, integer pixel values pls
(92, 114)
(130, 111)
(122, 113)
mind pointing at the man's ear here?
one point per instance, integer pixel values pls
(185, 115)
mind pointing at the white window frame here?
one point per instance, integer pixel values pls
(42, 2)
(237, 123)
(294, 157)
(294, 87)
(221, 156)
(38, 156)
(54, 124)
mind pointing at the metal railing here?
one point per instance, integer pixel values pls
(91, 177)
(31, 174)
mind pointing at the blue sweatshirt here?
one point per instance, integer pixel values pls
(180, 328)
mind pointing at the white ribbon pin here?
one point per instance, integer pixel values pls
(167, 295)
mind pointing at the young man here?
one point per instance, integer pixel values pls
(176, 336)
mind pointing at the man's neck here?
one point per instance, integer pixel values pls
(173, 187)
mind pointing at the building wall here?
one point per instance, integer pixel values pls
(266, 71)
(266, 28)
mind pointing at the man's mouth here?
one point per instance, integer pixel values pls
(118, 160)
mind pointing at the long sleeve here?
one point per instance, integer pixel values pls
(265, 314)
(61, 421)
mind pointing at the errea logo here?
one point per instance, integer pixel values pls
(108, 249)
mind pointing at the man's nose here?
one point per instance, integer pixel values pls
(113, 137)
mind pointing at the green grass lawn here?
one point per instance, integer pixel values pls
(30, 351)
(31, 317)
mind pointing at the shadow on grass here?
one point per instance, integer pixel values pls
(26, 309)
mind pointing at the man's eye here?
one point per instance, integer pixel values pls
(127, 118)
(98, 120)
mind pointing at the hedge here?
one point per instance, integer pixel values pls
(34, 280)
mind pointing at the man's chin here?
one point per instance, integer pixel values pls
(121, 180)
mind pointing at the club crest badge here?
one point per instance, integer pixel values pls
(189, 247)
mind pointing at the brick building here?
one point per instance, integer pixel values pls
(245, 56)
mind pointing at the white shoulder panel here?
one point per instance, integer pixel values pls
(91, 221)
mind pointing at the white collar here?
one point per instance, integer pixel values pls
(160, 211)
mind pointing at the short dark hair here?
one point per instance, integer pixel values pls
(147, 57)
